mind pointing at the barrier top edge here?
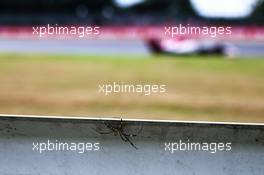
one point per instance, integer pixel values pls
(126, 119)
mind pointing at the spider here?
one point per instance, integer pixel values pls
(118, 129)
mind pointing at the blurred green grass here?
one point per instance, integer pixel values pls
(198, 87)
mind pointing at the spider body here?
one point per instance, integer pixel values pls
(118, 129)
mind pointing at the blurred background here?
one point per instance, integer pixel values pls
(216, 79)
(130, 12)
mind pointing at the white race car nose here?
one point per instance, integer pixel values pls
(180, 47)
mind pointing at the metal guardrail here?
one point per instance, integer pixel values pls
(111, 153)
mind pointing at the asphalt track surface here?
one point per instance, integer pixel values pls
(247, 49)
(108, 47)
(93, 47)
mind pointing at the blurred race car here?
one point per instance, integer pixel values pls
(183, 46)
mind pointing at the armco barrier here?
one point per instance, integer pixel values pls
(154, 140)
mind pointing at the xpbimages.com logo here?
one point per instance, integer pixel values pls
(80, 31)
(211, 147)
(146, 89)
(79, 147)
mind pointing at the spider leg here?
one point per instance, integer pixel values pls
(121, 123)
(122, 137)
(102, 132)
(140, 130)
(108, 125)
(109, 132)
(134, 135)
(129, 135)
(112, 128)
(131, 143)
(122, 129)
